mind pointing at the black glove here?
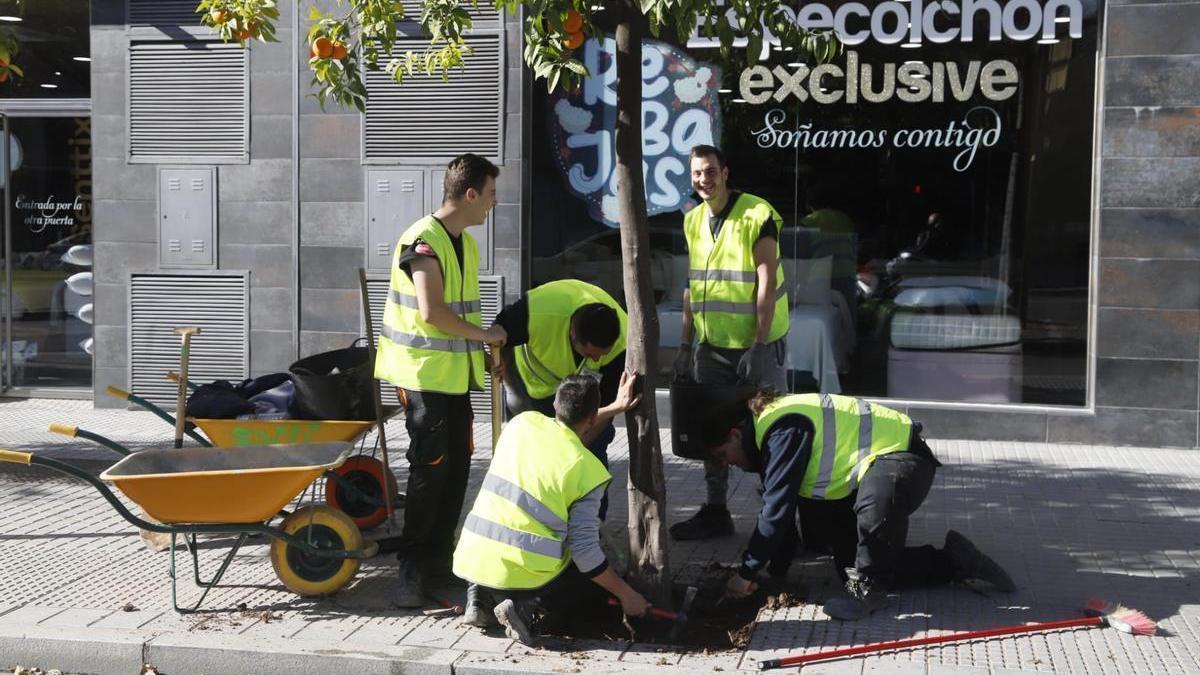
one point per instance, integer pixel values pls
(752, 364)
(683, 363)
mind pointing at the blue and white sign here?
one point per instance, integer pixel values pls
(679, 110)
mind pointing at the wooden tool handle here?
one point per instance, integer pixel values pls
(497, 396)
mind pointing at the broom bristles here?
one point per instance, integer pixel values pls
(1124, 619)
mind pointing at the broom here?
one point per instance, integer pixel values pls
(1101, 613)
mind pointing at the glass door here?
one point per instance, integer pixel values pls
(47, 268)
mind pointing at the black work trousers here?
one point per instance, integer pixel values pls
(439, 463)
(568, 596)
(867, 531)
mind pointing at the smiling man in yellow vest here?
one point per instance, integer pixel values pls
(735, 304)
(431, 348)
(532, 539)
(558, 329)
(854, 470)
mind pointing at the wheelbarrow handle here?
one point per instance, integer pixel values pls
(76, 432)
(14, 457)
(653, 611)
(165, 416)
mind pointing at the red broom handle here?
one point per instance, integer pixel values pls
(936, 639)
(653, 611)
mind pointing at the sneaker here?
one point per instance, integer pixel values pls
(971, 563)
(516, 619)
(712, 520)
(409, 591)
(861, 599)
(478, 612)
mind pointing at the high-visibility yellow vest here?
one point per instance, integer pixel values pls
(414, 354)
(850, 434)
(548, 357)
(722, 277)
(515, 536)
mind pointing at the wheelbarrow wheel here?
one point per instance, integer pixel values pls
(325, 528)
(364, 504)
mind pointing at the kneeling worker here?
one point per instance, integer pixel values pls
(558, 329)
(865, 469)
(537, 512)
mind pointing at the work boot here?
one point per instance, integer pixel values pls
(712, 520)
(971, 563)
(409, 591)
(861, 599)
(517, 619)
(480, 606)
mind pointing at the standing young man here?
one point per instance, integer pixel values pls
(735, 305)
(431, 349)
(558, 329)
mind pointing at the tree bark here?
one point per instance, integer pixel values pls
(648, 566)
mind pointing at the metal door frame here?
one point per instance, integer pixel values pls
(60, 107)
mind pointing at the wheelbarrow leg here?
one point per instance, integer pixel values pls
(190, 540)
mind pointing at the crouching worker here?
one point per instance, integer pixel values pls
(536, 513)
(863, 469)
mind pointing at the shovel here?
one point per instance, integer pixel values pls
(680, 618)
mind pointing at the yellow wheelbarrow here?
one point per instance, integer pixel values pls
(356, 487)
(315, 550)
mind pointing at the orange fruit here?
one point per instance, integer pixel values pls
(573, 23)
(220, 15)
(323, 46)
(4, 75)
(3, 62)
(573, 41)
(339, 51)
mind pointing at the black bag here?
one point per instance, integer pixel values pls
(218, 400)
(322, 394)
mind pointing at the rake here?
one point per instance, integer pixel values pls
(1100, 613)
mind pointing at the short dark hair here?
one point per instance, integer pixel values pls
(465, 172)
(699, 151)
(718, 423)
(577, 399)
(596, 324)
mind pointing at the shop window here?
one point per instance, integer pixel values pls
(935, 198)
(188, 102)
(428, 120)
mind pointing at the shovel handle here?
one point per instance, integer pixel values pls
(653, 611)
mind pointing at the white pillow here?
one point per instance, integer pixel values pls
(808, 280)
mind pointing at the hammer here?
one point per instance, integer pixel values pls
(680, 618)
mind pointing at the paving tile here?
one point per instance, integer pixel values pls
(475, 640)
(76, 618)
(29, 615)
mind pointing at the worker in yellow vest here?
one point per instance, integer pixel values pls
(532, 540)
(431, 347)
(558, 329)
(735, 306)
(853, 472)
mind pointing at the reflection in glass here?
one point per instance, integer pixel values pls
(936, 240)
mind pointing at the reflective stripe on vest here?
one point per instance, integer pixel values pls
(410, 301)
(526, 502)
(423, 342)
(849, 435)
(526, 541)
(548, 356)
(722, 281)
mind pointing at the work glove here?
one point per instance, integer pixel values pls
(683, 363)
(752, 365)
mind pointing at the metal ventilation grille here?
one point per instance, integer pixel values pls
(483, 16)
(158, 304)
(163, 13)
(430, 120)
(491, 296)
(188, 101)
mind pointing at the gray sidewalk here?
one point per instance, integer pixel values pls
(1069, 522)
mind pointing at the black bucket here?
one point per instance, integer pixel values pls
(322, 394)
(694, 404)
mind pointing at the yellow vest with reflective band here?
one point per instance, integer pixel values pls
(850, 434)
(722, 278)
(414, 354)
(547, 358)
(515, 536)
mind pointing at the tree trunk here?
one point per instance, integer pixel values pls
(648, 567)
